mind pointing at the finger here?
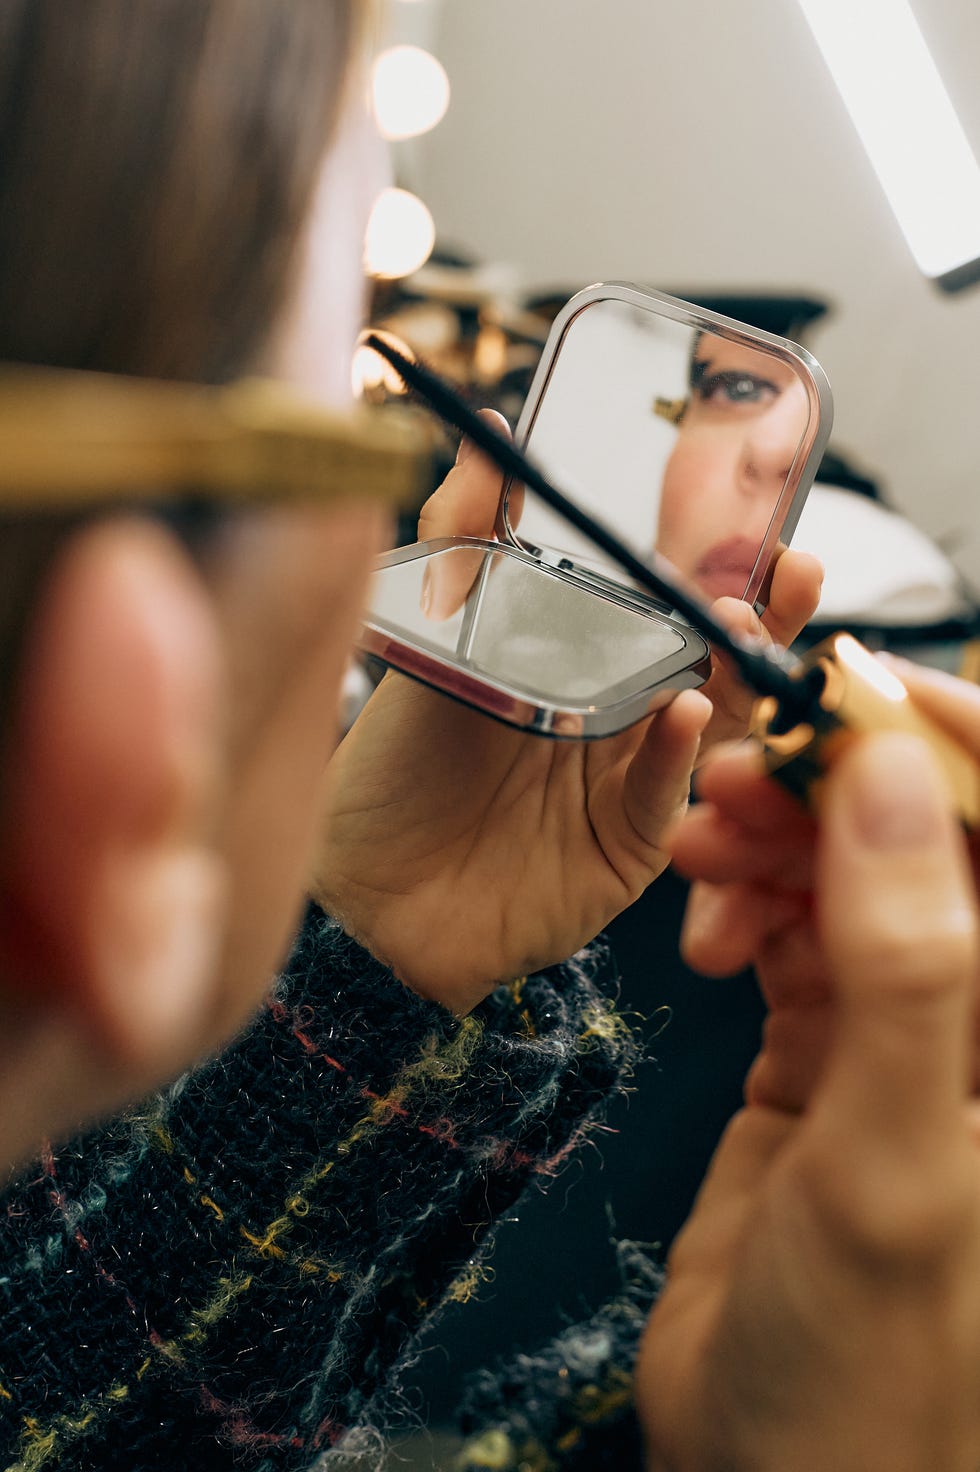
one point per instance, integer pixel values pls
(658, 778)
(710, 846)
(735, 780)
(897, 919)
(792, 972)
(465, 505)
(725, 925)
(749, 829)
(707, 845)
(730, 696)
(952, 703)
(744, 825)
(790, 963)
(793, 597)
(793, 1056)
(794, 594)
(752, 1140)
(702, 1252)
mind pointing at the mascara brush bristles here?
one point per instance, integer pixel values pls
(765, 672)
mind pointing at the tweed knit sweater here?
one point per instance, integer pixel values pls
(234, 1274)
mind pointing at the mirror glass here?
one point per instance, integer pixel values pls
(496, 614)
(681, 439)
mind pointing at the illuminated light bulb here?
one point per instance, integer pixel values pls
(411, 92)
(400, 235)
(892, 89)
(371, 373)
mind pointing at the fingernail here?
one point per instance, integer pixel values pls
(495, 421)
(898, 798)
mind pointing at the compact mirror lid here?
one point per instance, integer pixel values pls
(683, 431)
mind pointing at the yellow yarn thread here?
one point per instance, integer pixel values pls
(444, 1065)
(465, 1287)
(493, 1451)
(596, 1403)
(605, 1024)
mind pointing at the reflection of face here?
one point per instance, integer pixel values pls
(735, 445)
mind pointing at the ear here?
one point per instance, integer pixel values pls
(110, 893)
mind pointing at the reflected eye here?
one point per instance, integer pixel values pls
(734, 389)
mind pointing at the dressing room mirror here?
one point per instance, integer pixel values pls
(688, 435)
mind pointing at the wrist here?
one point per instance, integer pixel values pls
(420, 950)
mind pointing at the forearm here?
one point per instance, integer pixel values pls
(248, 1257)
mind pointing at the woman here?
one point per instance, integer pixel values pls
(738, 436)
(230, 1272)
(183, 194)
(171, 209)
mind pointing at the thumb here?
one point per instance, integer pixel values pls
(896, 912)
(657, 783)
(465, 505)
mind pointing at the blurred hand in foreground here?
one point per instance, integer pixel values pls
(823, 1302)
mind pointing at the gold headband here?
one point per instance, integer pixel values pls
(70, 439)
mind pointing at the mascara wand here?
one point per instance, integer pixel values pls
(767, 672)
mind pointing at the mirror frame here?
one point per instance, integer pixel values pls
(813, 442)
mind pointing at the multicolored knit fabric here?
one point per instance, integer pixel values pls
(233, 1275)
(567, 1406)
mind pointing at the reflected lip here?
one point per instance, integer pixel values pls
(725, 569)
(737, 555)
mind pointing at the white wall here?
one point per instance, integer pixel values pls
(701, 144)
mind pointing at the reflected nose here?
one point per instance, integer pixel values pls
(771, 443)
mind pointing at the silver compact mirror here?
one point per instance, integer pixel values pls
(688, 435)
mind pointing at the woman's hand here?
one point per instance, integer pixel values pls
(823, 1302)
(464, 852)
(750, 848)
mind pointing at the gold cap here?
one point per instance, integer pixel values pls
(70, 439)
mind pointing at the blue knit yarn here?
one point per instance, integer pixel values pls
(235, 1273)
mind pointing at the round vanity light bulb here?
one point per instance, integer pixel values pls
(400, 235)
(411, 91)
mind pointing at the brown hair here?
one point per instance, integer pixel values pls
(157, 162)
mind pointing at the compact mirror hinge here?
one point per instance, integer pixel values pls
(588, 577)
